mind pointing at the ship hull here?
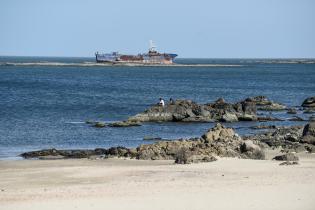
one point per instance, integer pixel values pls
(152, 57)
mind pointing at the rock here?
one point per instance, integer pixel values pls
(99, 125)
(286, 157)
(312, 118)
(189, 111)
(217, 133)
(252, 150)
(185, 156)
(200, 159)
(90, 122)
(124, 124)
(268, 118)
(285, 137)
(309, 133)
(259, 100)
(220, 101)
(217, 141)
(57, 154)
(310, 148)
(292, 111)
(229, 117)
(296, 118)
(309, 111)
(263, 103)
(264, 127)
(151, 138)
(272, 107)
(247, 117)
(309, 102)
(288, 163)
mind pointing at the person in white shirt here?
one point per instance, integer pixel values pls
(161, 103)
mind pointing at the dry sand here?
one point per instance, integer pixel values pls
(132, 184)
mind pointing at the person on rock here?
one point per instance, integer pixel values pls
(161, 103)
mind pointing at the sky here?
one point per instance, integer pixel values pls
(192, 29)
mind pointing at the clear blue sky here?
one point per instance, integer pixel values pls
(198, 28)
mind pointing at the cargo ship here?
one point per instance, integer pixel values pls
(152, 57)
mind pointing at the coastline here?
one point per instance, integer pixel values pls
(93, 64)
(228, 183)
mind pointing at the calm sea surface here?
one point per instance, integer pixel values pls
(46, 106)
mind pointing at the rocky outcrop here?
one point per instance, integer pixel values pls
(309, 102)
(290, 139)
(73, 154)
(292, 111)
(286, 157)
(263, 103)
(217, 141)
(114, 124)
(309, 133)
(124, 124)
(189, 111)
(264, 127)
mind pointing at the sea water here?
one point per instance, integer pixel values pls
(47, 106)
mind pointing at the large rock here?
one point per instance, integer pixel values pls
(218, 132)
(287, 138)
(309, 133)
(189, 111)
(286, 157)
(218, 141)
(309, 102)
(263, 103)
(124, 124)
(253, 151)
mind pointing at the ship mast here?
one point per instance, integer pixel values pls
(152, 47)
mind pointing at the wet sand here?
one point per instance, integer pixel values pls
(135, 184)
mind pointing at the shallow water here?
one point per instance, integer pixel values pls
(46, 106)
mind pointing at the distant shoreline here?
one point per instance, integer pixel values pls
(92, 64)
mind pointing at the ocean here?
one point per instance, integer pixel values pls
(46, 106)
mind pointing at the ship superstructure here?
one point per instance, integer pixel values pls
(152, 57)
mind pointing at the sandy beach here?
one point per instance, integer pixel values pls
(228, 183)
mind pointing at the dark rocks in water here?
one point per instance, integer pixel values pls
(288, 138)
(309, 111)
(189, 111)
(124, 124)
(286, 157)
(264, 127)
(289, 163)
(77, 153)
(309, 102)
(292, 111)
(99, 125)
(268, 118)
(151, 138)
(58, 153)
(217, 141)
(90, 122)
(309, 133)
(263, 103)
(115, 124)
(296, 118)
